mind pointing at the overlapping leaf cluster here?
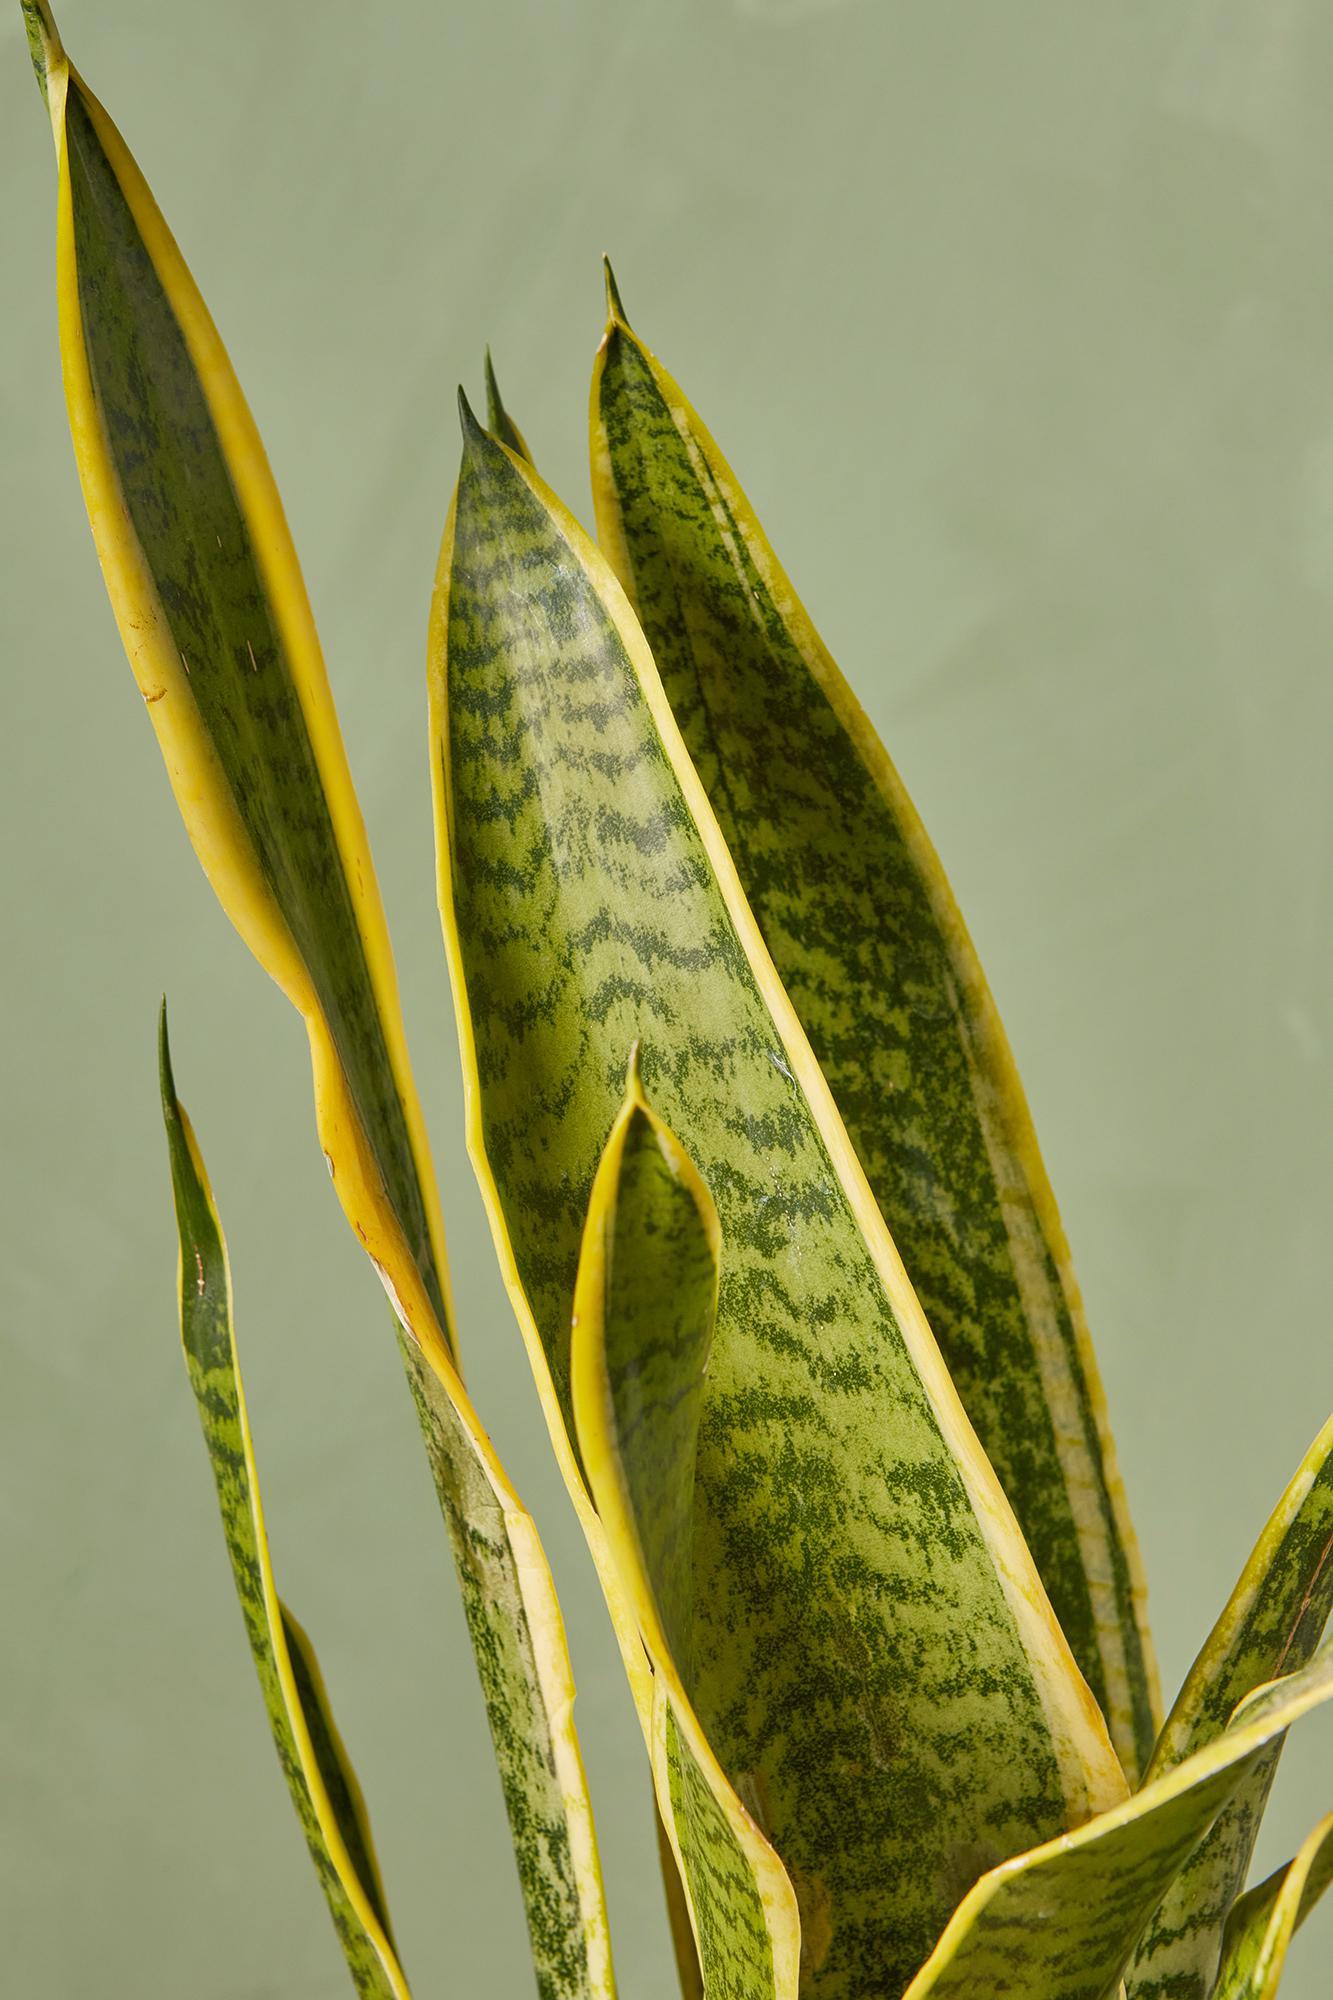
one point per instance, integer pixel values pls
(766, 1196)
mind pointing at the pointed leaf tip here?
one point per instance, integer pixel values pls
(165, 1075)
(44, 43)
(615, 305)
(498, 420)
(494, 400)
(467, 418)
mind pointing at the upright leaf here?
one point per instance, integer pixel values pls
(878, 1671)
(1060, 1924)
(321, 1781)
(1262, 1924)
(866, 936)
(1272, 1623)
(644, 1308)
(208, 595)
(498, 417)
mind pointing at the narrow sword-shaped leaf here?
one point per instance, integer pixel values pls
(321, 1781)
(1060, 1923)
(1272, 1623)
(879, 1672)
(867, 938)
(1263, 1923)
(212, 609)
(644, 1307)
(651, 1709)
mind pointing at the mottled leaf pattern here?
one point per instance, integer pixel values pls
(644, 1307)
(1059, 1924)
(877, 1667)
(841, 1650)
(319, 1777)
(212, 610)
(748, 1944)
(865, 934)
(1262, 1924)
(1271, 1625)
(519, 1641)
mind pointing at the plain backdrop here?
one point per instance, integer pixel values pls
(1017, 321)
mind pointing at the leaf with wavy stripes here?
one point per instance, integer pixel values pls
(644, 1307)
(1272, 1623)
(1060, 1923)
(1263, 1923)
(208, 595)
(321, 1780)
(867, 938)
(879, 1673)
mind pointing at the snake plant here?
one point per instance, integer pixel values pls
(766, 1198)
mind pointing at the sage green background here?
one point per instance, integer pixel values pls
(1016, 318)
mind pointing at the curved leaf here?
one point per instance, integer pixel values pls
(644, 1306)
(321, 1781)
(867, 938)
(1261, 1926)
(880, 1675)
(1272, 1623)
(1060, 1923)
(209, 599)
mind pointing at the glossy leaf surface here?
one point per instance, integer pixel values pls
(867, 938)
(878, 1671)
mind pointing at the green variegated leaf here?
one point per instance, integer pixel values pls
(1271, 1625)
(1059, 1924)
(208, 595)
(877, 1668)
(1262, 1924)
(644, 1308)
(322, 1784)
(678, 1917)
(498, 417)
(865, 934)
(680, 1911)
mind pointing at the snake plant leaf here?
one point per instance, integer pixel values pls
(679, 1918)
(1272, 1623)
(1060, 1923)
(207, 592)
(644, 1307)
(498, 418)
(323, 1786)
(679, 1915)
(877, 1668)
(1262, 1924)
(865, 934)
